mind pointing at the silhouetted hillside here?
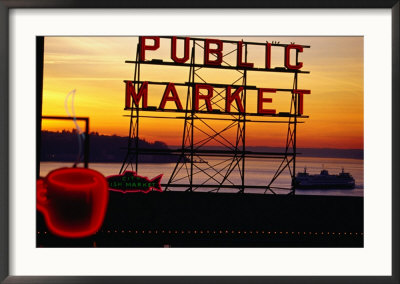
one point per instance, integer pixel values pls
(64, 146)
(302, 152)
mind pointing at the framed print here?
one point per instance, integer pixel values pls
(224, 144)
(201, 181)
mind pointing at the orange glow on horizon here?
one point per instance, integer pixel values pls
(96, 68)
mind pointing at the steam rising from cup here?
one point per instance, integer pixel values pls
(70, 109)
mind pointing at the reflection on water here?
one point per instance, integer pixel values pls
(258, 172)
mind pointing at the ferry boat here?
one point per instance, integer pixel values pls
(324, 180)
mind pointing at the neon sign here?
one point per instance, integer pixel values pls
(73, 201)
(131, 182)
(217, 51)
(136, 92)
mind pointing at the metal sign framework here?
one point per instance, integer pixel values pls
(191, 161)
(86, 136)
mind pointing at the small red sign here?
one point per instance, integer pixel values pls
(131, 182)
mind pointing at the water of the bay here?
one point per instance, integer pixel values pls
(257, 172)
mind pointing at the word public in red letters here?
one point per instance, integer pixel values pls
(214, 47)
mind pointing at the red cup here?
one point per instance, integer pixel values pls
(73, 201)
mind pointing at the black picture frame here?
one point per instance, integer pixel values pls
(6, 5)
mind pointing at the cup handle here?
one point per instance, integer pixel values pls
(41, 194)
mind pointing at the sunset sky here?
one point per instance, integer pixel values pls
(95, 67)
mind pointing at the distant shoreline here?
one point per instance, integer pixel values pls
(302, 152)
(63, 147)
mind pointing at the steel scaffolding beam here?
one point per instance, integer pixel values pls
(197, 130)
